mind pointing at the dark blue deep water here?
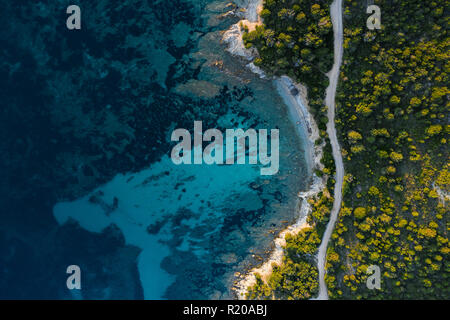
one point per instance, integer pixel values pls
(86, 179)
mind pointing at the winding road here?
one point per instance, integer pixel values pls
(333, 75)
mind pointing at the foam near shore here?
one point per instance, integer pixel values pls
(233, 36)
(265, 270)
(295, 97)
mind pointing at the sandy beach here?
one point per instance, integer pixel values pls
(295, 97)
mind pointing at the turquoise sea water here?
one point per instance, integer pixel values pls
(196, 225)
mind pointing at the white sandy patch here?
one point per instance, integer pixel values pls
(265, 270)
(295, 97)
(249, 10)
(307, 128)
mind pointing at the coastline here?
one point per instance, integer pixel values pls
(233, 36)
(295, 97)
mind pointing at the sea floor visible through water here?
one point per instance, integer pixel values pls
(197, 225)
(190, 228)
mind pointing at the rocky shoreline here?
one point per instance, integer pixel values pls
(295, 97)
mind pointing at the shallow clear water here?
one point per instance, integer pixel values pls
(198, 224)
(111, 96)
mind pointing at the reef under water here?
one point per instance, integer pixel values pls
(87, 179)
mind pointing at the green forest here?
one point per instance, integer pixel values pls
(392, 121)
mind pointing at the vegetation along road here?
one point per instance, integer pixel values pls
(336, 18)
